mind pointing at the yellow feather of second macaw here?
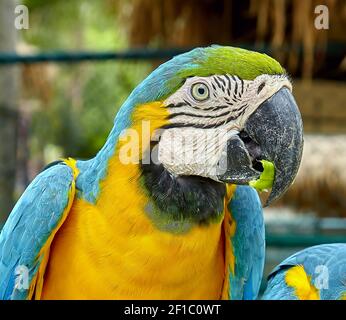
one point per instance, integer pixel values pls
(112, 250)
(297, 278)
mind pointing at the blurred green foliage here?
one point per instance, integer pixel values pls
(84, 97)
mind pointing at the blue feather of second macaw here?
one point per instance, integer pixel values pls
(248, 244)
(277, 290)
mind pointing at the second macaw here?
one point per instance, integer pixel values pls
(163, 211)
(315, 273)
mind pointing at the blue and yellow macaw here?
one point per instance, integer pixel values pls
(315, 273)
(142, 219)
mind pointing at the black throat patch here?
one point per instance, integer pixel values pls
(177, 203)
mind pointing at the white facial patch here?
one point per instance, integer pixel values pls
(191, 151)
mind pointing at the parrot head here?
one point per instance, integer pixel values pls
(226, 110)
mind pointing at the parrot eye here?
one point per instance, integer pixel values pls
(200, 91)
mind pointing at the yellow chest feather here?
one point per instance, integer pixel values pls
(93, 257)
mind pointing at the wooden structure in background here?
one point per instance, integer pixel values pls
(286, 26)
(323, 105)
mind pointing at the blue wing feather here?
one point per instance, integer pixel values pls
(248, 244)
(34, 218)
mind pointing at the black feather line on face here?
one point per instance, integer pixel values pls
(213, 108)
(218, 83)
(188, 125)
(178, 105)
(229, 82)
(221, 80)
(242, 86)
(236, 86)
(241, 108)
(192, 115)
(188, 103)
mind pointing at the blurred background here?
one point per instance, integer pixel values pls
(65, 74)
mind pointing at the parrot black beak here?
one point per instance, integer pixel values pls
(274, 132)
